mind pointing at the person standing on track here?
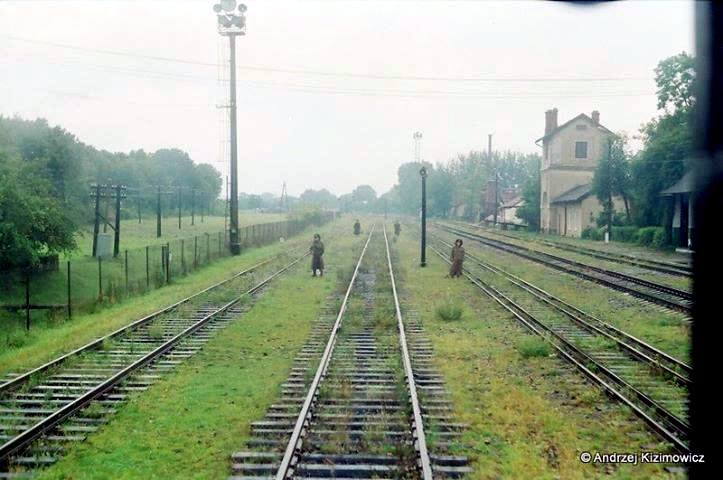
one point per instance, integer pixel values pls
(317, 252)
(397, 228)
(457, 258)
(357, 227)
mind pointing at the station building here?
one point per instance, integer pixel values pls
(570, 154)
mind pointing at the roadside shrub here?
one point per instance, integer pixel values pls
(659, 238)
(591, 233)
(449, 311)
(624, 234)
(533, 347)
(646, 235)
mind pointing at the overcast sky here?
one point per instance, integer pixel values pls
(330, 93)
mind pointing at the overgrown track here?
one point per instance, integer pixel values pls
(669, 297)
(62, 401)
(680, 269)
(361, 394)
(655, 388)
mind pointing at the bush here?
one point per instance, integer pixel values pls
(624, 234)
(646, 234)
(659, 238)
(449, 311)
(592, 233)
(533, 347)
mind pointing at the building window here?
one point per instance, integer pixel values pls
(580, 149)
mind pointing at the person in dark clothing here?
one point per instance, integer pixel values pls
(457, 258)
(397, 228)
(357, 227)
(317, 252)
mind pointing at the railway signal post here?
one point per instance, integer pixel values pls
(231, 24)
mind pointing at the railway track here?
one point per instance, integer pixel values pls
(651, 383)
(63, 401)
(666, 296)
(363, 399)
(681, 269)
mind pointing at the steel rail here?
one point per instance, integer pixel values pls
(602, 281)
(304, 414)
(579, 317)
(98, 342)
(622, 276)
(646, 263)
(22, 440)
(539, 328)
(418, 423)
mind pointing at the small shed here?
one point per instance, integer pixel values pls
(682, 193)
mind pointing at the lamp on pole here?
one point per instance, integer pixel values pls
(423, 174)
(231, 25)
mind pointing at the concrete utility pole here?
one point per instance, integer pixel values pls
(423, 174)
(231, 25)
(497, 177)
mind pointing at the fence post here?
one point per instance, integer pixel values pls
(100, 279)
(168, 263)
(70, 310)
(148, 271)
(219, 244)
(183, 255)
(208, 248)
(126, 272)
(195, 252)
(253, 234)
(27, 299)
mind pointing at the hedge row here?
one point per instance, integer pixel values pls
(646, 236)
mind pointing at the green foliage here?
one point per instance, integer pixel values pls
(668, 141)
(449, 311)
(33, 222)
(530, 210)
(320, 198)
(533, 347)
(646, 235)
(612, 175)
(676, 81)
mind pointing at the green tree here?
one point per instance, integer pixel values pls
(439, 191)
(667, 141)
(612, 177)
(530, 209)
(33, 222)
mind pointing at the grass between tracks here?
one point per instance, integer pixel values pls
(661, 328)
(21, 350)
(530, 414)
(188, 424)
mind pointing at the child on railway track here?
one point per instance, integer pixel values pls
(357, 227)
(397, 228)
(457, 258)
(317, 252)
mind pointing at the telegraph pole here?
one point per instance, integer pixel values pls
(231, 25)
(423, 174)
(96, 218)
(158, 212)
(497, 189)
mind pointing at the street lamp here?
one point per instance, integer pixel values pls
(232, 24)
(423, 174)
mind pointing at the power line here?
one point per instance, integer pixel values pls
(326, 73)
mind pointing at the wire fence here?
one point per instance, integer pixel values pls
(85, 284)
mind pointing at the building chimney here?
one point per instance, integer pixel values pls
(550, 120)
(596, 117)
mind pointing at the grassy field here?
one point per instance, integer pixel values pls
(138, 235)
(188, 424)
(664, 329)
(530, 415)
(97, 284)
(20, 349)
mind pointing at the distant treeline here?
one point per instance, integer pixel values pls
(44, 177)
(455, 186)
